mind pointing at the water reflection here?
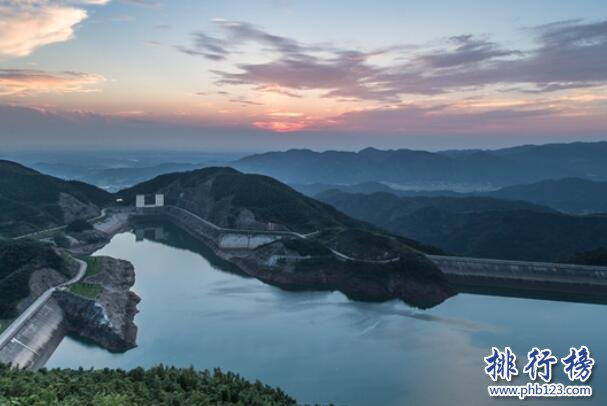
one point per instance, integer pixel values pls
(320, 346)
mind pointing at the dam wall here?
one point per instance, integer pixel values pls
(523, 274)
(35, 341)
(184, 219)
(222, 237)
(245, 241)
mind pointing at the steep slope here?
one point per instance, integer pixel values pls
(30, 201)
(490, 228)
(235, 200)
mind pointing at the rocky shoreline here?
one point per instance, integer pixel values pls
(107, 320)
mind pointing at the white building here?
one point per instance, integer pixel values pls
(158, 201)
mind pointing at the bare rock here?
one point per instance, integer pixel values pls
(74, 209)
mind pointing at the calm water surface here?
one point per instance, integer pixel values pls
(324, 348)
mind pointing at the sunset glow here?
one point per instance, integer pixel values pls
(294, 68)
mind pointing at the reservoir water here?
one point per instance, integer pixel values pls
(323, 348)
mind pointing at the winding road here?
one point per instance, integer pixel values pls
(58, 228)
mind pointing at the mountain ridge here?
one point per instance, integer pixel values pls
(501, 167)
(516, 233)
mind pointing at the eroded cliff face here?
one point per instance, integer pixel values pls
(107, 320)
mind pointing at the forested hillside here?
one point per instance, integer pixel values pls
(156, 386)
(233, 199)
(18, 260)
(476, 227)
(30, 201)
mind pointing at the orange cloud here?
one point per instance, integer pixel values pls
(280, 126)
(27, 25)
(19, 82)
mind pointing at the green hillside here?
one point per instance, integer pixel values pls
(156, 386)
(226, 197)
(31, 201)
(18, 260)
(486, 228)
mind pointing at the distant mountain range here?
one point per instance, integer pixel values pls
(573, 195)
(567, 177)
(312, 189)
(469, 170)
(113, 179)
(479, 226)
(569, 195)
(30, 201)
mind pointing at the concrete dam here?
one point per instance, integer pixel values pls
(34, 342)
(546, 280)
(225, 238)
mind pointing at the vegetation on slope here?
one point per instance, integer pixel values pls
(597, 256)
(93, 266)
(159, 385)
(86, 290)
(506, 233)
(29, 200)
(363, 244)
(223, 195)
(306, 247)
(18, 260)
(78, 226)
(384, 208)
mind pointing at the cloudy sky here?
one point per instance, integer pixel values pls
(271, 74)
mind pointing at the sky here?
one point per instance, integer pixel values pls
(275, 74)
